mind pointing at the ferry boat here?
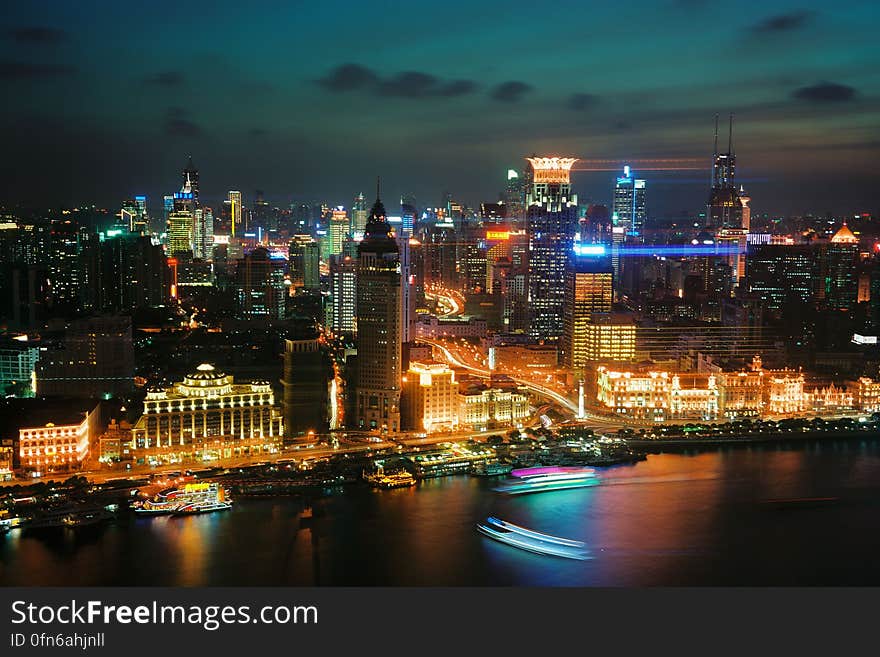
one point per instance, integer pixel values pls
(380, 479)
(491, 470)
(549, 478)
(200, 497)
(532, 541)
(68, 517)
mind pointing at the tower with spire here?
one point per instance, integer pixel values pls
(725, 207)
(379, 298)
(191, 179)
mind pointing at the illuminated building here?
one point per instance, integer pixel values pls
(207, 416)
(203, 234)
(841, 275)
(735, 241)
(588, 290)
(359, 215)
(180, 230)
(742, 394)
(429, 399)
(551, 224)
(235, 218)
(460, 326)
(94, 359)
(191, 180)
(304, 262)
(305, 386)
(62, 442)
(783, 275)
(694, 401)
(727, 207)
(831, 399)
(260, 285)
(608, 337)
(630, 210)
(408, 213)
(481, 407)
(18, 361)
(786, 393)
(407, 288)
(337, 231)
(639, 396)
(378, 326)
(65, 266)
(515, 197)
(343, 294)
(867, 395)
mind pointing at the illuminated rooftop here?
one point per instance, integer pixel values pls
(552, 169)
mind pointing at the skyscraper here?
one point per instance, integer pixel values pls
(725, 208)
(303, 263)
(234, 198)
(181, 221)
(588, 292)
(379, 326)
(359, 216)
(629, 202)
(203, 233)
(551, 224)
(343, 294)
(338, 230)
(191, 178)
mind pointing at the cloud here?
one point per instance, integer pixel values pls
(788, 22)
(37, 35)
(13, 70)
(166, 79)
(179, 124)
(511, 91)
(408, 84)
(348, 77)
(824, 92)
(580, 101)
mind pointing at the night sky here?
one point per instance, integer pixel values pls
(312, 100)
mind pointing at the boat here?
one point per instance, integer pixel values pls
(201, 497)
(548, 478)
(531, 541)
(491, 470)
(67, 517)
(381, 479)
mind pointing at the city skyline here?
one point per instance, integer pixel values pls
(317, 113)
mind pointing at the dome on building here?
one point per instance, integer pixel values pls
(206, 372)
(844, 236)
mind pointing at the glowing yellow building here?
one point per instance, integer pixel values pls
(429, 400)
(207, 416)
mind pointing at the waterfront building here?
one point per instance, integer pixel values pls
(786, 393)
(641, 396)
(207, 416)
(867, 395)
(57, 436)
(481, 407)
(378, 326)
(429, 400)
(305, 388)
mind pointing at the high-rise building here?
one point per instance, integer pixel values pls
(359, 215)
(552, 221)
(630, 209)
(303, 263)
(203, 233)
(429, 401)
(727, 207)
(261, 288)
(588, 291)
(338, 230)
(235, 218)
(191, 179)
(379, 330)
(305, 387)
(343, 294)
(841, 270)
(408, 213)
(181, 221)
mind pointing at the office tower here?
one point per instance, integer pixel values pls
(305, 389)
(180, 232)
(127, 216)
(515, 198)
(379, 331)
(18, 360)
(65, 266)
(337, 230)
(203, 233)
(167, 209)
(260, 284)
(408, 213)
(725, 208)
(261, 210)
(95, 359)
(840, 266)
(191, 179)
(629, 203)
(407, 299)
(439, 245)
(130, 272)
(588, 292)
(303, 263)
(552, 220)
(343, 294)
(784, 276)
(235, 218)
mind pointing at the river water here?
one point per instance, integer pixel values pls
(797, 514)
